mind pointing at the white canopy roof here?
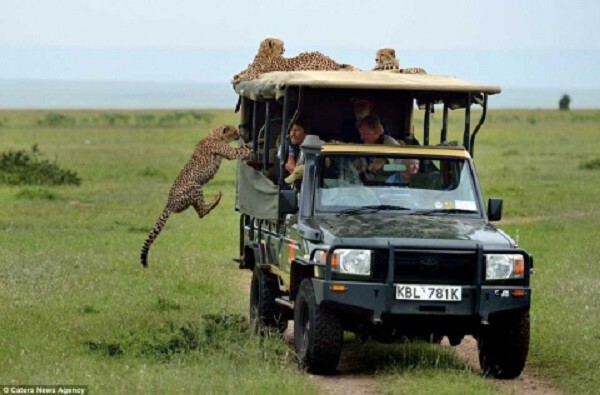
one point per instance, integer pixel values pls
(272, 85)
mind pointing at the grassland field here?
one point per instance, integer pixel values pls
(77, 307)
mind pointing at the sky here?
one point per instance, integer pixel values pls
(520, 43)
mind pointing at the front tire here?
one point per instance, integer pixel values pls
(264, 312)
(503, 345)
(318, 333)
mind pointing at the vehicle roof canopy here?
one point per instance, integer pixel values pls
(272, 85)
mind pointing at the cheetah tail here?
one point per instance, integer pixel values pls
(153, 235)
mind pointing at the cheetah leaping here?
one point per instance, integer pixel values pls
(201, 168)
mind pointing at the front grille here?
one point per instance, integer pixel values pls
(428, 267)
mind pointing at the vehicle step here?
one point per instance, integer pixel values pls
(285, 301)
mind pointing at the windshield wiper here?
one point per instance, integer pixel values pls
(444, 211)
(373, 208)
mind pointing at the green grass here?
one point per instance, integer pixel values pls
(414, 368)
(79, 309)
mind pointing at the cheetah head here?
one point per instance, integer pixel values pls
(386, 56)
(226, 133)
(271, 47)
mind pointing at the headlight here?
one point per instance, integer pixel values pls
(348, 261)
(354, 261)
(504, 266)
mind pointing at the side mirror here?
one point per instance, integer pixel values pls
(494, 211)
(288, 202)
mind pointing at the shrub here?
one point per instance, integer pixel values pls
(511, 152)
(37, 193)
(152, 172)
(184, 117)
(108, 349)
(144, 119)
(564, 102)
(593, 164)
(19, 168)
(139, 119)
(56, 119)
(203, 116)
(114, 119)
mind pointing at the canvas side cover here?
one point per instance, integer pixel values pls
(256, 195)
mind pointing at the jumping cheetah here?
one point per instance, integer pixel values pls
(201, 168)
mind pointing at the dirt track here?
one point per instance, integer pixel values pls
(351, 379)
(527, 383)
(348, 380)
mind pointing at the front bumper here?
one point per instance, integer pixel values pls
(479, 299)
(380, 298)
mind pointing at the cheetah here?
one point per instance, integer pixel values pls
(270, 58)
(413, 70)
(201, 168)
(386, 60)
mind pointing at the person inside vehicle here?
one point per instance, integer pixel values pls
(295, 161)
(412, 167)
(363, 107)
(300, 129)
(403, 178)
(371, 132)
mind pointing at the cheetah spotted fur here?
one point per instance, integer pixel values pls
(201, 168)
(386, 60)
(270, 58)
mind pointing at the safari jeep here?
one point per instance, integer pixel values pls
(407, 253)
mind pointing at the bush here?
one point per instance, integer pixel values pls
(593, 164)
(114, 119)
(144, 119)
(167, 119)
(184, 117)
(33, 194)
(56, 119)
(19, 168)
(564, 102)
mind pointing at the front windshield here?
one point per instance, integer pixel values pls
(400, 184)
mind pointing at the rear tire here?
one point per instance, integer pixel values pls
(318, 333)
(503, 345)
(264, 312)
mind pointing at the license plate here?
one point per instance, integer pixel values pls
(428, 292)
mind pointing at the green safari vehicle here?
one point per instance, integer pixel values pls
(388, 256)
